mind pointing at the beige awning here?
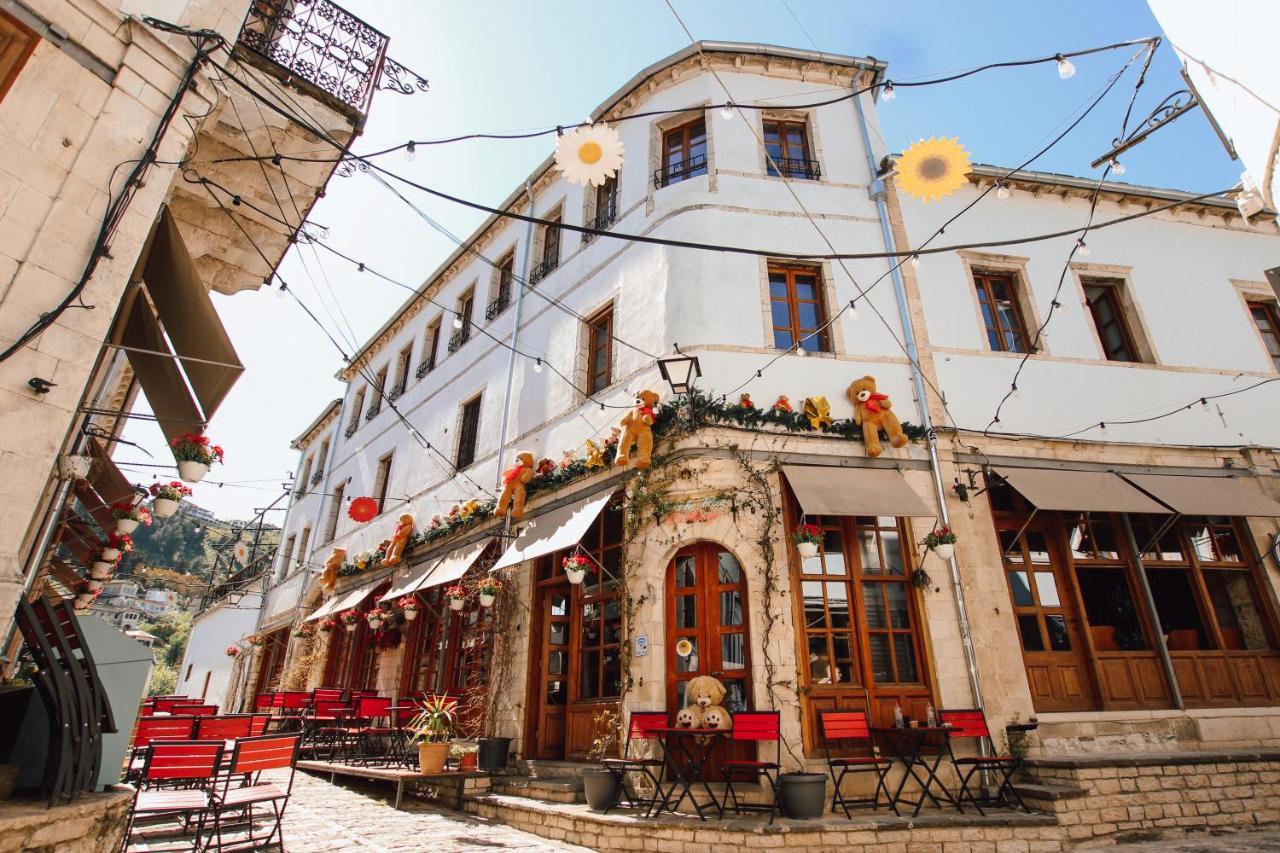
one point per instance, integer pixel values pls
(1082, 491)
(342, 602)
(1192, 495)
(826, 490)
(158, 372)
(108, 482)
(412, 582)
(458, 562)
(554, 531)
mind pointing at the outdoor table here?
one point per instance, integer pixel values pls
(911, 746)
(686, 752)
(398, 742)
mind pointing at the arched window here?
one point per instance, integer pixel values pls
(707, 631)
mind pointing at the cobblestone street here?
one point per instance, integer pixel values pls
(324, 817)
(1245, 842)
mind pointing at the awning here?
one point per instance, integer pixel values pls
(1191, 495)
(412, 582)
(445, 570)
(158, 371)
(1082, 491)
(342, 602)
(107, 481)
(827, 490)
(554, 531)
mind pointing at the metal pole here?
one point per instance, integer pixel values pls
(515, 333)
(1149, 600)
(877, 192)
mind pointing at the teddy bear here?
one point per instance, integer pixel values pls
(514, 481)
(783, 403)
(871, 412)
(716, 717)
(689, 717)
(744, 401)
(400, 539)
(637, 430)
(331, 566)
(704, 692)
(615, 435)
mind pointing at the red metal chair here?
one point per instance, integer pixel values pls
(373, 723)
(194, 709)
(640, 728)
(852, 730)
(761, 727)
(228, 727)
(249, 758)
(149, 729)
(264, 701)
(189, 767)
(327, 726)
(164, 704)
(972, 723)
(258, 724)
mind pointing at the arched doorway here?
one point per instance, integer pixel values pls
(707, 628)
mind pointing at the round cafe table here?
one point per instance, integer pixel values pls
(686, 752)
(921, 749)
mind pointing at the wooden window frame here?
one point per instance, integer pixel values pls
(1270, 337)
(335, 510)
(804, 155)
(600, 342)
(304, 542)
(551, 240)
(17, 43)
(468, 434)
(357, 409)
(306, 474)
(382, 481)
(604, 204)
(684, 131)
(322, 459)
(431, 342)
(983, 281)
(404, 364)
(792, 301)
(1112, 292)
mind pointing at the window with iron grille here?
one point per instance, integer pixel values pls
(306, 475)
(502, 295)
(289, 545)
(606, 205)
(403, 363)
(379, 394)
(336, 503)
(322, 458)
(432, 347)
(796, 305)
(465, 306)
(1109, 321)
(550, 249)
(684, 153)
(356, 408)
(304, 542)
(998, 299)
(787, 145)
(468, 434)
(600, 351)
(1267, 319)
(382, 481)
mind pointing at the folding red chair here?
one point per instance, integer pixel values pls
(228, 727)
(258, 724)
(640, 728)
(149, 729)
(761, 727)
(249, 758)
(164, 704)
(373, 722)
(189, 767)
(264, 701)
(850, 730)
(972, 723)
(327, 725)
(194, 709)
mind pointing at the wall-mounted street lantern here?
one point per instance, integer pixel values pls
(680, 371)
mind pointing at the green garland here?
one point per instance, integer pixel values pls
(695, 408)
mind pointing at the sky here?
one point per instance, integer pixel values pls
(504, 66)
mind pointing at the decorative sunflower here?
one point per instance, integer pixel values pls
(589, 155)
(933, 168)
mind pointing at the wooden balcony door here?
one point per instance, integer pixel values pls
(707, 624)
(552, 671)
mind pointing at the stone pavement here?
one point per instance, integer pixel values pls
(1244, 842)
(357, 816)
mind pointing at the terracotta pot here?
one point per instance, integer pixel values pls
(467, 761)
(432, 756)
(410, 615)
(575, 576)
(487, 600)
(456, 603)
(192, 472)
(945, 550)
(126, 525)
(102, 571)
(110, 554)
(807, 549)
(163, 507)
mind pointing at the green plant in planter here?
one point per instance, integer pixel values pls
(431, 728)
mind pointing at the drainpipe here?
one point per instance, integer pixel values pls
(877, 192)
(515, 332)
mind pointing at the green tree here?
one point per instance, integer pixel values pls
(172, 631)
(164, 680)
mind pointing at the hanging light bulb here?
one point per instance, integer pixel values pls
(887, 92)
(1204, 404)
(1065, 69)
(457, 321)
(1082, 247)
(853, 309)
(410, 151)
(915, 261)
(728, 111)
(1013, 390)
(1002, 191)
(800, 350)
(1102, 426)
(1055, 305)
(1117, 168)
(537, 365)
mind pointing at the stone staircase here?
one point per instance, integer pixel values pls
(546, 781)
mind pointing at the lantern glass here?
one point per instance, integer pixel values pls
(680, 371)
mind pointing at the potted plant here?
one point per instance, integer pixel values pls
(195, 455)
(84, 595)
(489, 589)
(466, 755)
(349, 619)
(457, 596)
(117, 544)
(257, 640)
(600, 784)
(128, 516)
(305, 631)
(807, 538)
(431, 728)
(575, 568)
(374, 618)
(167, 497)
(232, 651)
(102, 570)
(942, 542)
(803, 795)
(94, 586)
(328, 624)
(409, 605)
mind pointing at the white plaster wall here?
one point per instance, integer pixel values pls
(211, 633)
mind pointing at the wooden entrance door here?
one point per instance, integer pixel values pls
(548, 738)
(1053, 649)
(707, 619)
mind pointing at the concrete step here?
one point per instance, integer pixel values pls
(553, 790)
(541, 768)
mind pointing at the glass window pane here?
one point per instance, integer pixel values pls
(1104, 540)
(559, 634)
(1047, 587)
(892, 552)
(806, 287)
(588, 683)
(1029, 628)
(819, 661)
(1020, 587)
(686, 571)
(733, 653)
(1010, 548)
(1224, 538)
(905, 655)
(814, 613)
(1078, 540)
(1056, 624)
(728, 569)
(731, 608)
(735, 696)
(556, 663)
(1237, 610)
(1176, 606)
(874, 604)
(808, 313)
(833, 552)
(868, 553)
(838, 604)
(613, 630)
(688, 663)
(899, 617)
(1109, 609)
(1201, 540)
(777, 286)
(686, 611)
(881, 660)
(782, 340)
(557, 692)
(559, 605)
(1037, 545)
(781, 314)
(612, 675)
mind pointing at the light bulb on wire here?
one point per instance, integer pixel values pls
(457, 321)
(1082, 247)
(537, 365)
(1117, 168)
(800, 350)
(1065, 69)
(887, 92)
(728, 111)
(914, 260)
(853, 309)
(410, 151)
(1002, 191)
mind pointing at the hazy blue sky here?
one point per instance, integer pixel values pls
(497, 66)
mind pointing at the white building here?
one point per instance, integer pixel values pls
(1064, 622)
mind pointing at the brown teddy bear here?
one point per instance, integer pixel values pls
(637, 430)
(331, 566)
(689, 718)
(514, 481)
(716, 717)
(400, 539)
(871, 411)
(704, 691)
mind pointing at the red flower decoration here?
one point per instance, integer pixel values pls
(363, 509)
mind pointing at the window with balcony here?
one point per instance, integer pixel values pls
(432, 347)
(304, 542)
(787, 145)
(550, 249)
(1106, 307)
(468, 434)
(379, 394)
(322, 458)
(798, 313)
(403, 362)
(16, 44)
(287, 554)
(466, 305)
(336, 503)
(306, 476)
(605, 205)
(600, 351)
(1267, 319)
(382, 481)
(357, 407)
(1001, 313)
(505, 275)
(684, 153)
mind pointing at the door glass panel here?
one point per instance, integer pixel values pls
(559, 634)
(735, 696)
(898, 615)
(728, 569)
(556, 663)
(1047, 586)
(1037, 545)
(892, 551)
(1176, 606)
(686, 572)
(560, 605)
(833, 552)
(1056, 624)
(1009, 547)
(905, 653)
(874, 605)
(1020, 586)
(814, 614)
(1237, 610)
(612, 673)
(843, 670)
(881, 661)
(732, 651)
(819, 661)
(838, 604)
(868, 553)
(686, 611)
(557, 692)
(590, 674)
(1029, 628)
(731, 608)
(688, 663)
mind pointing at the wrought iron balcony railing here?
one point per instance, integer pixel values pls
(317, 478)
(544, 269)
(351, 428)
(459, 338)
(675, 172)
(606, 215)
(426, 367)
(795, 168)
(497, 306)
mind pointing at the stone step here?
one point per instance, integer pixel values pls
(542, 768)
(1041, 791)
(551, 790)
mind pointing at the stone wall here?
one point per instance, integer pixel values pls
(93, 823)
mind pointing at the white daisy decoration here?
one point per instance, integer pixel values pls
(589, 155)
(241, 552)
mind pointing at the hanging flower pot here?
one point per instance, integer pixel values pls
(93, 585)
(232, 651)
(84, 599)
(109, 555)
(194, 455)
(489, 589)
(74, 467)
(327, 625)
(374, 619)
(575, 568)
(349, 619)
(807, 538)
(946, 550)
(102, 570)
(457, 597)
(167, 497)
(163, 507)
(942, 542)
(129, 516)
(409, 605)
(191, 471)
(117, 544)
